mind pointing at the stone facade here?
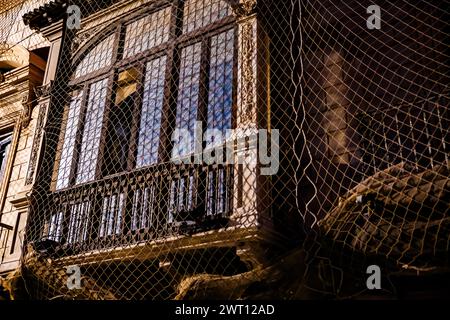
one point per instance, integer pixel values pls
(23, 68)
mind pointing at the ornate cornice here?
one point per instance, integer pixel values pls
(44, 90)
(45, 15)
(55, 10)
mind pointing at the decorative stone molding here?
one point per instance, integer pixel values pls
(20, 200)
(247, 73)
(13, 56)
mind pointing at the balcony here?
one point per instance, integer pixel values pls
(154, 205)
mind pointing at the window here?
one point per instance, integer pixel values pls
(65, 165)
(199, 13)
(152, 104)
(187, 105)
(219, 110)
(90, 138)
(5, 145)
(220, 93)
(120, 95)
(129, 93)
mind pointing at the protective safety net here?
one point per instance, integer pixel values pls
(238, 149)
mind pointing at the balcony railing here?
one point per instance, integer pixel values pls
(147, 204)
(418, 134)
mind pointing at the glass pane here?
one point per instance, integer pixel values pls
(199, 13)
(67, 153)
(99, 57)
(187, 101)
(92, 131)
(147, 32)
(5, 144)
(220, 96)
(149, 132)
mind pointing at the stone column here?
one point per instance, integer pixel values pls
(251, 201)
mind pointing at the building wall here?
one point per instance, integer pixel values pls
(23, 71)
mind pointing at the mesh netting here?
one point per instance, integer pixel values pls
(240, 149)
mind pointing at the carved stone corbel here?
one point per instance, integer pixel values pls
(243, 8)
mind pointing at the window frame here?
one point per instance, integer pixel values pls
(172, 50)
(5, 139)
(12, 129)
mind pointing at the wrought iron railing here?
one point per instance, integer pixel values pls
(143, 205)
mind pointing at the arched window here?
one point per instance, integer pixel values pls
(163, 70)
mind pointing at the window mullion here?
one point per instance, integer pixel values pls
(109, 101)
(202, 111)
(119, 44)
